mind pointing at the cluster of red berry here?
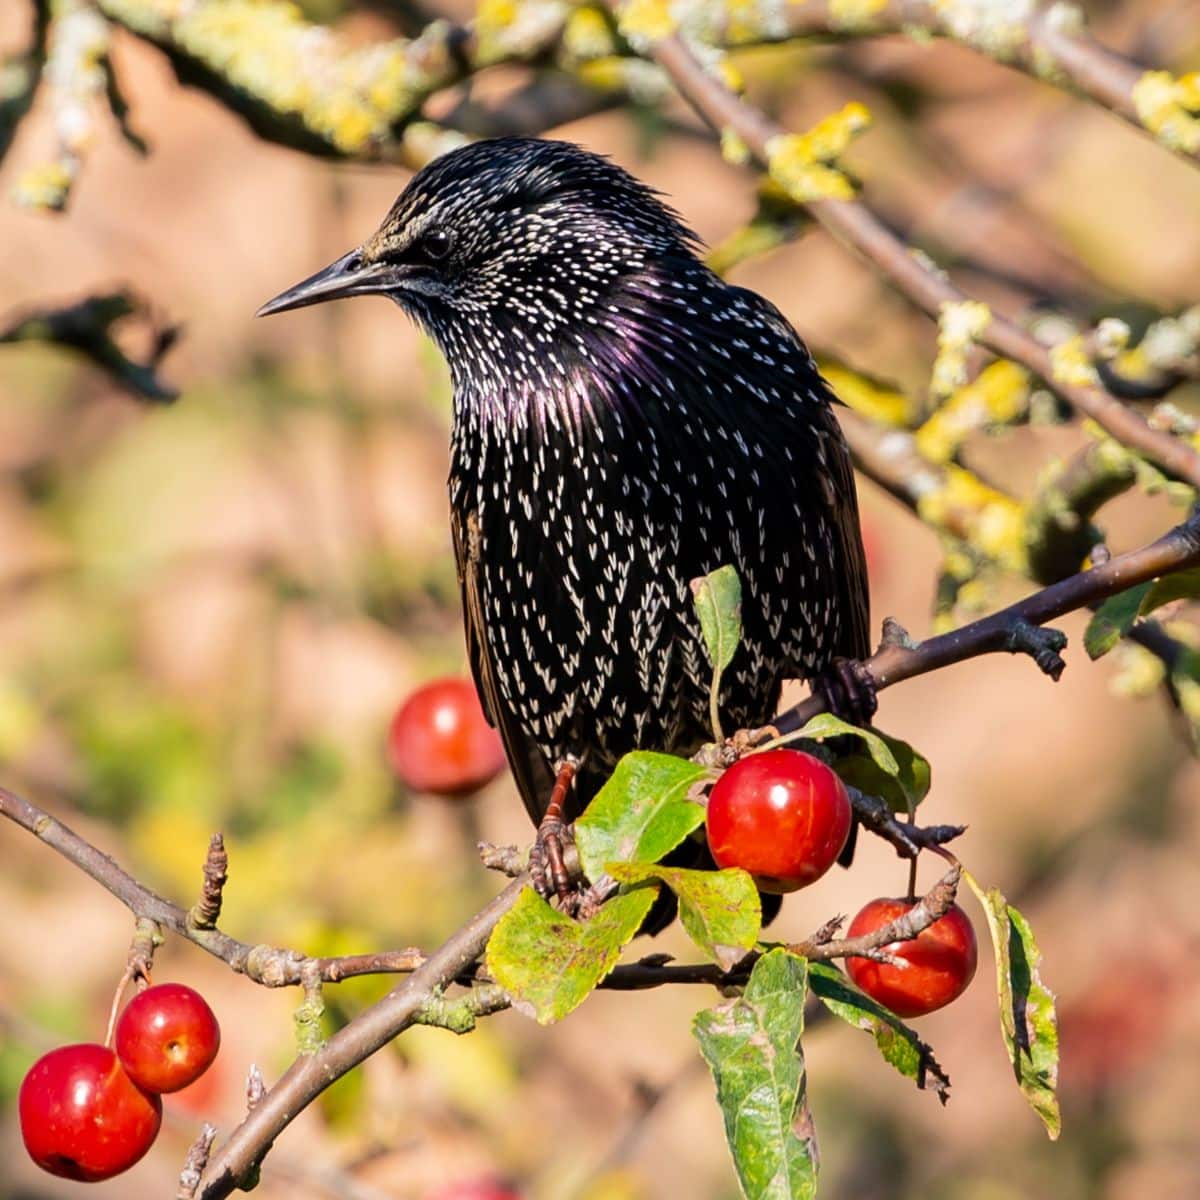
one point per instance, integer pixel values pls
(88, 1113)
(782, 815)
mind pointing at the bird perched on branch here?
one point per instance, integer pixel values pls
(624, 422)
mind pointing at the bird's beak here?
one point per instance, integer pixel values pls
(349, 276)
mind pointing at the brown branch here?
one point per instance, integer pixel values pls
(1010, 628)
(934, 905)
(86, 327)
(853, 223)
(270, 966)
(1044, 45)
(236, 1161)
(207, 910)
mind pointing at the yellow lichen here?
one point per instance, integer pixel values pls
(1071, 365)
(960, 324)
(993, 522)
(46, 186)
(733, 149)
(1166, 106)
(803, 164)
(882, 404)
(999, 395)
(646, 21)
(855, 16)
(587, 35)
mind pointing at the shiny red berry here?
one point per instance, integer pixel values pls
(939, 962)
(441, 742)
(167, 1037)
(82, 1117)
(782, 815)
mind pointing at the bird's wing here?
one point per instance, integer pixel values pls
(530, 770)
(837, 488)
(853, 599)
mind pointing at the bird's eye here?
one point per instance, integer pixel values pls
(436, 244)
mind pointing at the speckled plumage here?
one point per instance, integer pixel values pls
(624, 421)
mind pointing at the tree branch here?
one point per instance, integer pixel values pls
(853, 223)
(1051, 44)
(1176, 550)
(86, 327)
(236, 1160)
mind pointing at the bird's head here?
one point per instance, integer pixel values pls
(514, 232)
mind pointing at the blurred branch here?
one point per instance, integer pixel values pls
(19, 76)
(301, 85)
(1049, 42)
(86, 328)
(855, 224)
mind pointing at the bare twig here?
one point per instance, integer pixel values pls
(309, 1075)
(1176, 550)
(270, 966)
(206, 911)
(196, 1161)
(1050, 43)
(86, 327)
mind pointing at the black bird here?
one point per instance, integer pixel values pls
(624, 421)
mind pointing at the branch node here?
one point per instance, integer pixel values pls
(894, 634)
(256, 1087)
(207, 910)
(508, 860)
(196, 1161)
(1044, 646)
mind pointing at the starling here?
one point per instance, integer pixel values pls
(624, 421)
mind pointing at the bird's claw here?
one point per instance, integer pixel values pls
(849, 691)
(546, 862)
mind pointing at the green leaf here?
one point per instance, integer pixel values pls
(1112, 620)
(902, 791)
(1027, 1017)
(752, 1046)
(549, 963)
(898, 1044)
(718, 600)
(890, 769)
(1179, 585)
(641, 813)
(720, 910)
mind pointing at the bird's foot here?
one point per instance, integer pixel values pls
(849, 691)
(546, 860)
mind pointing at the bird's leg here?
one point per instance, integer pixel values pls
(546, 866)
(848, 689)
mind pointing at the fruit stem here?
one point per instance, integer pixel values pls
(122, 984)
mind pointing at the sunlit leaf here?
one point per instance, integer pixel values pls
(1179, 585)
(1027, 1016)
(641, 813)
(898, 1044)
(549, 963)
(752, 1045)
(720, 910)
(890, 768)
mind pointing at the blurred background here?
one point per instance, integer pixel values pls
(209, 611)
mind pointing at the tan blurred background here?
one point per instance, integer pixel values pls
(209, 611)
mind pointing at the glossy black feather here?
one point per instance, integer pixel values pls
(624, 421)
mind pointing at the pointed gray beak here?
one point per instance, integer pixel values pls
(349, 276)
